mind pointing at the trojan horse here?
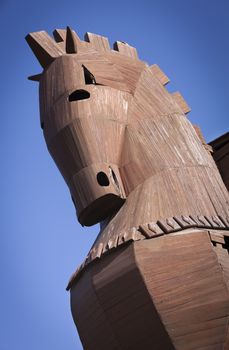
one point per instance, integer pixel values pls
(157, 276)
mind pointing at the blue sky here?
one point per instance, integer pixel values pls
(41, 240)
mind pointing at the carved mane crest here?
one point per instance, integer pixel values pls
(66, 41)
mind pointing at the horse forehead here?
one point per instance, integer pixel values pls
(96, 59)
(121, 73)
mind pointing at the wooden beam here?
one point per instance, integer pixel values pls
(181, 102)
(99, 42)
(59, 35)
(125, 49)
(159, 74)
(43, 47)
(72, 41)
(35, 77)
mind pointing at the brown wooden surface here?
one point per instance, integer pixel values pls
(221, 156)
(157, 275)
(112, 304)
(178, 277)
(188, 288)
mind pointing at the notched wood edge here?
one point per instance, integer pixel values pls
(153, 230)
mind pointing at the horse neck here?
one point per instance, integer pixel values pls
(167, 171)
(168, 176)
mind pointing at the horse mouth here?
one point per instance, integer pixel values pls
(78, 95)
(100, 209)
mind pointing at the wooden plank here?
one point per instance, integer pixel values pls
(181, 102)
(36, 77)
(126, 49)
(120, 291)
(169, 225)
(151, 230)
(129, 68)
(216, 222)
(104, 73)
(199, 133)
(187, 287)
(60, 35)
(217, 237)
(159, 74)
(99, 42)
(185, 221)
(43, 47)
(72, 41)
(94, 321)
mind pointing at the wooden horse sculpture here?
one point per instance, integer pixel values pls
(157, 276)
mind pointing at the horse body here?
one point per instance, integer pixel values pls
(157, 274)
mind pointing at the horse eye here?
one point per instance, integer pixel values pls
(78, 95)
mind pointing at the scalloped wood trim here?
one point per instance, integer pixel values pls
(153, 230)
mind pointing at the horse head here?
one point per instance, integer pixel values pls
(116, 133)
(134, 162)
(84, 102)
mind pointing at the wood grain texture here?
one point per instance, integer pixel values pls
(98, 41)
(72, 41)
(120, 300)
(177, 224)
(177, 277)
(221, 156)
(157, 275)
(44, 47)
(125, 49)
(220, 240)
(181, 102)
(159, 74)
(188, 289)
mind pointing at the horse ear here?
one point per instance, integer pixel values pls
(44, 47)
(72, 41)
(35, 77)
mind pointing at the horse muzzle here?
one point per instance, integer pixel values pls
(97, 192)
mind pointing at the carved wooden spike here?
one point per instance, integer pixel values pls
(169, 225)
(125, 49)
(155, 229)
(35, 77)
(60, 38)
(215, 222)
(99, 42)
(201, 221)
(181, 102)
(72, 41)
(185, 221)
(159, 74)
(43, 47)
(144, 229)
(152, 230)
(59, 35)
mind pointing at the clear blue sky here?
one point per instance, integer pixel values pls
(41, 240)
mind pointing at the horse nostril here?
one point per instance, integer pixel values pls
(102, 179)
(78, 95)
